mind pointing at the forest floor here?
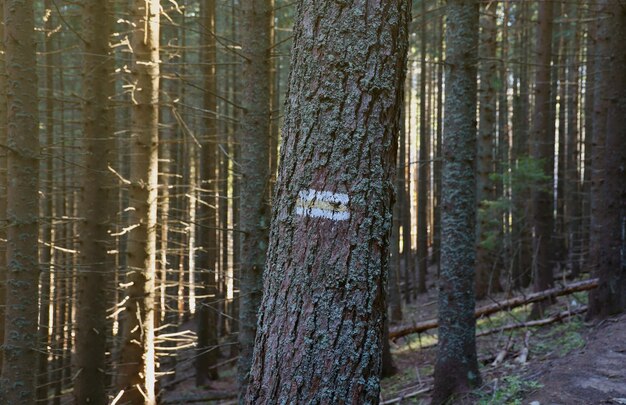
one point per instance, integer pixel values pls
(569, 362)
(565, 363)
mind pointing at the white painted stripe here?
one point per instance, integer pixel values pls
(323, 204)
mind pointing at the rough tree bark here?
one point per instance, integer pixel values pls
(17, 385)
(322, 316)
(95, 265)
(456, 370)
(608, 199)
(542, 150)
(255, 165)
(136, 373)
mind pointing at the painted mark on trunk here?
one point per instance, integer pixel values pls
(323, 204)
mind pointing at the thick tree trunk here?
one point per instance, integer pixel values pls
(542, 150)
(456, 370)
(319, 338)
(608, 212)
(136, 371)
(255, 164)
(17, 385)
(96, 267)
(486, 136)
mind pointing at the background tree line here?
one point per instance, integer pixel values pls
(139, 151)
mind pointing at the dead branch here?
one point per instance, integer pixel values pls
(539, 322)
(511, 303)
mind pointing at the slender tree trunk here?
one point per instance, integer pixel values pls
(46, 213)
(486, 136)
(590, 85)
(522, 236)
(608, 209)
(423, 163)
(404, 185)
(17, 385)
(3, 182)
(136, 371)
(319, 338)
(456, 370)
(96, 204)
(573, 189)
(255, 162)
(438, 151)
(542, 150)
(207, 352)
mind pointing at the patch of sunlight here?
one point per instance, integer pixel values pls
(414, 342)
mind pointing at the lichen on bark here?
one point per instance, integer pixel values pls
(321, 319)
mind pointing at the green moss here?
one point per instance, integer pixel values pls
(509, 390)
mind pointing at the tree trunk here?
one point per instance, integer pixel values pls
(608, 210)
(542, 151)
(17, 385)
(3, 182)
(521, 238)
(136, 373)
(573, 189)
(96, 204)
(323, 310)
(423, 163)
(456, 370)
(486, 136)
(255, 163)
(207, 352)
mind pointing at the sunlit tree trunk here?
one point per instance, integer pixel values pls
(136, 374)
(322, 316)
(17, 385)
(456, 370)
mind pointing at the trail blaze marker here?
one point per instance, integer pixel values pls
(323, 204)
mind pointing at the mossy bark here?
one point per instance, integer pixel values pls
(17, 385)
(96, 266)
(456, 370)
(322, 316)
(255, 166)
(136, 370)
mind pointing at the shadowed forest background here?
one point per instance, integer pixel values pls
(330, 201)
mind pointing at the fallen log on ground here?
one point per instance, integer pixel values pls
(511, 303)
(539, 322)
